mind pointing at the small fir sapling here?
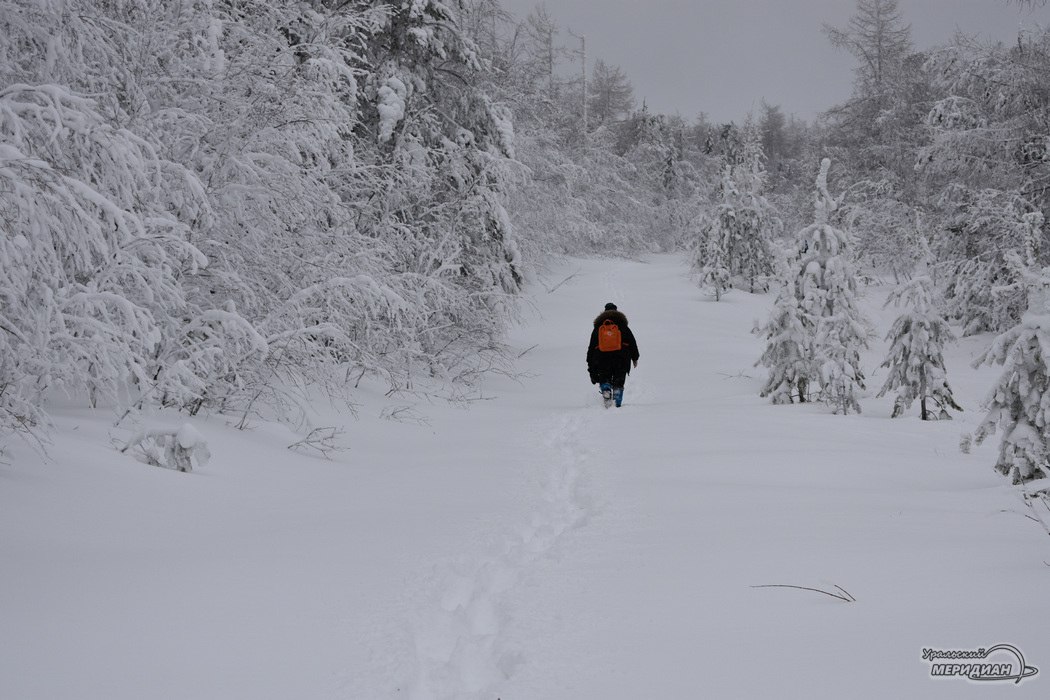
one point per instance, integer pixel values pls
(736, 236)
(714, 272)
(826, 288)
(787, 354)
(1019, 403)
(917, 338)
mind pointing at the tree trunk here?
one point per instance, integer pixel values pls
(922, 393)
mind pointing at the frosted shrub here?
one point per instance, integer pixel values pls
(181, 449)
(91, 265)
(257, 198)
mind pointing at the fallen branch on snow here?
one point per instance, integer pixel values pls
(738, 375)
(555, 287)
(842, 595)
(321, 440)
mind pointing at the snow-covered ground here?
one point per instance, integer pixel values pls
(534, 545)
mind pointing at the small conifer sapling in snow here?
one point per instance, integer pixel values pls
(714, 275)
(787, 354)
(1019, 403)
(827, 292)
(915, 359)
(736, 238)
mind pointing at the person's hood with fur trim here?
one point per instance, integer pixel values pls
(616, 317)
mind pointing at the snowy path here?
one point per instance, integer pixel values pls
(461, 640)
(535, 546)
(697, 490)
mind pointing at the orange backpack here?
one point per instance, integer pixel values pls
(609, 337)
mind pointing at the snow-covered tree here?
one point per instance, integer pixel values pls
(988, 163)
(756, 222)
(447, 146)
(656, 146)
(879, 39)
(826, 286)
(715, 241)
(736, 235)
(541, 51)
(610, 94)
(256, 196)
(788, 354)
(92, 259)
(988, 127)
(915, 359)
(884, 225)
(1019, 403)
(873, 136)
(983, 290)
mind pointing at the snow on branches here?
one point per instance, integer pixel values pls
(253, 195)
(984, 291)
(816, 331)
(735, 239)
(788, 350)
(915, 359)
(1019, 403)
(91, 264)
(181, 449)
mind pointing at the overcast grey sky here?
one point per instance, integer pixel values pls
(723, 56)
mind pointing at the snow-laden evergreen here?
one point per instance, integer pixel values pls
(826, 288)
(788, 354)
(716, 240)
(916, 355)
(735, 238)
(1019, 403)
(816, 330)
(757, 223)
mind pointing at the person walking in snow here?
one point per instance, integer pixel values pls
(611, 353)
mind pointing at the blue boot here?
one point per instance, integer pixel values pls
(606, 390)
(618, 395)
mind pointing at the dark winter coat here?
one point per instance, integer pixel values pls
(611, 367)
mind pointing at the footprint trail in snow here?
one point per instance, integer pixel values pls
(460, 645)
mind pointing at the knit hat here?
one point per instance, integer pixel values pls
(610, 306)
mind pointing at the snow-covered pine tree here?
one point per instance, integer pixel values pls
(788, 354)
(826, 286)
(714, 275)
(757, 224)
(736, 237)
(917, 338)
(716, 239)
(1019, 403)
